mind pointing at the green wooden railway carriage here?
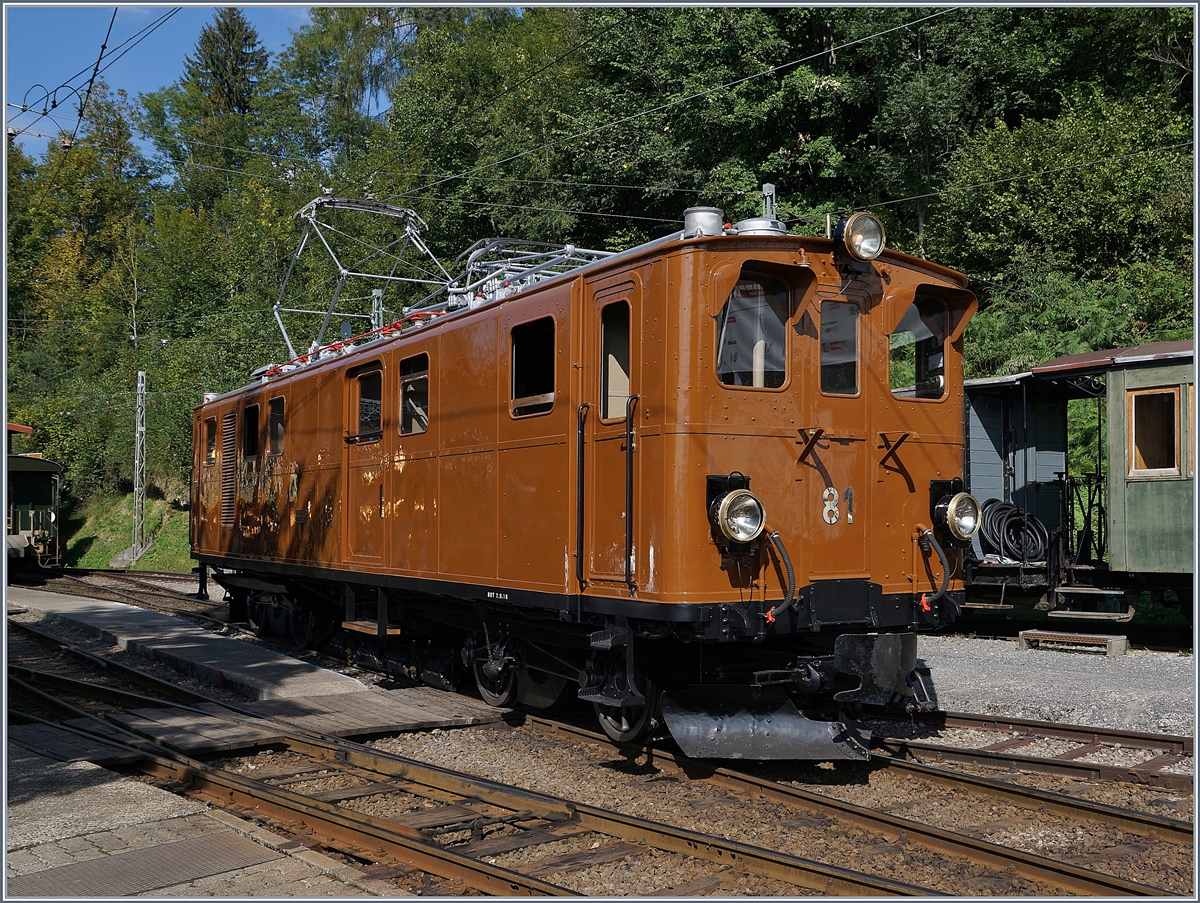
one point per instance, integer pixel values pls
(1075, 540)
(1150, 413)
(32, 501)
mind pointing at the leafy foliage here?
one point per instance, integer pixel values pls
(1045, 151)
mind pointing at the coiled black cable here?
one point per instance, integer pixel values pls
(1013, 532)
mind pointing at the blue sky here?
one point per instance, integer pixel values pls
(51, 45)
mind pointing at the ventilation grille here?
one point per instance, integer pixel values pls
(228, 467)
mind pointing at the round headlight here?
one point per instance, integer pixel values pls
(959, 514)
(863, 236)
(739, 515)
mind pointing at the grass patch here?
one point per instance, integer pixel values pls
(101, 527)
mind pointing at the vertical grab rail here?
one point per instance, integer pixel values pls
(579, 477)
(630, 442)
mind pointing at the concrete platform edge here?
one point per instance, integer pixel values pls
(249, 686)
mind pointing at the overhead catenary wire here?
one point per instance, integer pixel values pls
(82, 110)
(112, 59)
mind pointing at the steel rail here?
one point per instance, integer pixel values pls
(140, 602)
(152, 589)
(1074, 768)
(1077, 732)
(784, 867)
(400, 842)
(1029, 865)
(166, 688)
(1157, 826)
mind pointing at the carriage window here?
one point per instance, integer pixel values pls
(917, 351)
(210, 440)
(370, 406)
(839, 348)
(533, 367)
(250, 431)
(614, 374)
(752, 334)
(1153, 422)
(275, 427)
(414, 394)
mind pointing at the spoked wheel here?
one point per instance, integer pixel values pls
(630, 723)
(501, 691)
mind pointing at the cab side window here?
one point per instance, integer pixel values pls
(752, 334)
(414, 394)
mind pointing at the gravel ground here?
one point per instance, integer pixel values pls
(1138, 691)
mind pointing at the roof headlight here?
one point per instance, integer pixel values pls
(959, 514)
(739, 515)
(863, 236)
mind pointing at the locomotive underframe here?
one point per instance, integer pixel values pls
(732, 684)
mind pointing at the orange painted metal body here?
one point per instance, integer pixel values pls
(483, 503)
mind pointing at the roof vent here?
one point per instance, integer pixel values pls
(700, 221)
(760, 225)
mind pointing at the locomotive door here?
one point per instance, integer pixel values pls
(365, 465)
(610, 453)
(834, 447)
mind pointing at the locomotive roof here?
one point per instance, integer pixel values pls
(677, 239)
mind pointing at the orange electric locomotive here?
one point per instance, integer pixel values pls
(712, 482)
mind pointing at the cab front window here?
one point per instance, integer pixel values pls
(752, 334)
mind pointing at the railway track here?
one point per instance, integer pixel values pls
(477, 822)
(459, 821)
(988, 741)
(1075, 751)
(136, 591)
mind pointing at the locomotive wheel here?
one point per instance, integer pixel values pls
(539, 690)
(630, 723)
(500, 692)
(303, 625)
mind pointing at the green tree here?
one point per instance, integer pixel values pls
(203, 124)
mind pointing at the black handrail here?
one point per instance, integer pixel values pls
(579, 484)
(630, 439)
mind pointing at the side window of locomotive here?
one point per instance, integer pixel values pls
(414, 394)
(250, 431)
(752, 334)
(275, 427)
(1154, 433)
(533, 367)
(839, 348)
(370, 406)
(917, 351)
(614, 352)
(210, 440)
